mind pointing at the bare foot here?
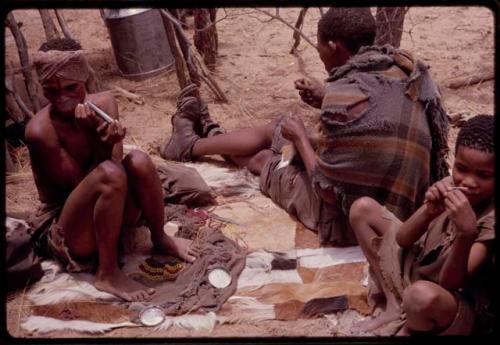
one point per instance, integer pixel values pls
(176, 246)
(118, 284)
(373, 323)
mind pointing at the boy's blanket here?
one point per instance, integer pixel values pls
(285, 276)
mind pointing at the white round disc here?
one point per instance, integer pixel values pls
(151, 316)
(219, 278)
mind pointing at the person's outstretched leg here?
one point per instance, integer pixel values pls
(239, 143)
(146, 191)
(91, 220)
(367, 222)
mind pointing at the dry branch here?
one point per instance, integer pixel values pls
(22, 49)
(277, 17)
(298, 26)
(63, 24)
(48, 25)
(470, 80)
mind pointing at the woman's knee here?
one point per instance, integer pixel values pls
(362, 208)
(112, 175)
(138, 162)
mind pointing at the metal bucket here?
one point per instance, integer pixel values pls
(139, 42)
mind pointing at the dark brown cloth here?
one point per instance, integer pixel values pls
(192, 290)
(183, 185)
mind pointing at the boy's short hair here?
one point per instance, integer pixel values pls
(63, 44)
(477, 133)
(354, 27)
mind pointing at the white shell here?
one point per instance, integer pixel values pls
(219, 278)
(151, 316)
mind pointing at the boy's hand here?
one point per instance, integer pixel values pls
(293, 129)
(435, 195)
(311, 91)
(111, 133)
(461, 213)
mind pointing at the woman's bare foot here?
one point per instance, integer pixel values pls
(118, 284)
(176, 246)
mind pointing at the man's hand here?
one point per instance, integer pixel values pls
(293, 129)
(461, 213)
(435, 195)
(111, 133)
(87, 117)
(311, 91)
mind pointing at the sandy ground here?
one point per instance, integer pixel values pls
(256, 72)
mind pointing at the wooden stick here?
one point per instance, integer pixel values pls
(298, 26)
(63, 24)
(180, 63)
(48, 25)
(22, 48)
(470, 80)
(193, 60)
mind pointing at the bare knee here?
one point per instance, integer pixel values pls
(420, 297)
(138, 163)
(112, 177)
(362, 209)
(257, 162)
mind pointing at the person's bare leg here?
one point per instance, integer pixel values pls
(428, 307)
(91, 219)
(240, 143)
(367, 222)
(254, 163)
(147, 193)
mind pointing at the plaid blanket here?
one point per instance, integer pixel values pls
(396, 146)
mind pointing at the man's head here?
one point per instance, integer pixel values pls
(62, 70)
(474, 159)
(342, 31)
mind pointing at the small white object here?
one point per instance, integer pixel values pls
(219, 278)
(152, 316)
(287, 155)
(170, 228)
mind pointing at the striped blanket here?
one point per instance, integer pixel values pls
(396, 146)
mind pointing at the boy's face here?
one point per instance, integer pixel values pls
(64, 94)
(474, 170)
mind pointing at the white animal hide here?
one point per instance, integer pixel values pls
(219, 178)
(322, 257)
(44, 324)
(194, 322)
(14, 224)
(245, 309)
(67, 287)
(257, 271)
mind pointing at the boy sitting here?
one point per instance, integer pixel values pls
(429, 267)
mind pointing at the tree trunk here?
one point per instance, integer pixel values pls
(390, 25)
(48, 25)
(22, 49)
(180, 63)
(63, 24)
(205, 36)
